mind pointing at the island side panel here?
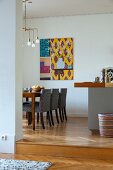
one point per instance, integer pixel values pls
(100, 100)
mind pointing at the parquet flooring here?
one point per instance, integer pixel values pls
(74, 132)
(62, 163)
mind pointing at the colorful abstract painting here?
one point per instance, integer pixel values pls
(59, 51)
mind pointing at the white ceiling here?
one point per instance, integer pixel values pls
(54, 8)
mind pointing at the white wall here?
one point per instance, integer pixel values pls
(10, 75)
(93, 50)
(18, 70)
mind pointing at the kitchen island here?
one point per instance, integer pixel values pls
(100, 100)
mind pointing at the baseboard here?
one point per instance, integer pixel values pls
(68, 114)
(76, 115)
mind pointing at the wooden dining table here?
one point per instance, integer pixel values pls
(33, 96)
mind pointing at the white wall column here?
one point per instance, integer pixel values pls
(10, 74)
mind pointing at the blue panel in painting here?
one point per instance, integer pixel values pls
(41, 64)
(44, 48)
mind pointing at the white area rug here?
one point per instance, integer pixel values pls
(10, 164)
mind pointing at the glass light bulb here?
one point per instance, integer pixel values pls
(37, 40)
(29, 43)
(33, 44)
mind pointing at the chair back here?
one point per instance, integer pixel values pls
(44, 104)
(54, 99)
(62, 98)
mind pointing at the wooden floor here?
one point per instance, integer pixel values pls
(96, 151)
(73, 133)
(62, 163)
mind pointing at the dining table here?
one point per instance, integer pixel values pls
(32, 95)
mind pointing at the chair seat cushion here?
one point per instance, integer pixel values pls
(27, 106)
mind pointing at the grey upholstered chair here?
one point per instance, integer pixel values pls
(54, 104)
(62, 104)
(42, 106)
(27, 109)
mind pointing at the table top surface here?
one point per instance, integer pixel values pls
(93, 84)
(31, 94)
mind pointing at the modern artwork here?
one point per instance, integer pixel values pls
(56, 59)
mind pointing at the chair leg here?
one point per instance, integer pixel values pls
(27, 112)
(29, 116)
(57, 116)
(60, 115)
(48, 118)
(51, 118)
(42, 120)
(65, 113)
(26, 115)
(37, 117)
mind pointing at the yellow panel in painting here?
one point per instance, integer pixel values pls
(62, 48)
(67, 76)
(53, 75)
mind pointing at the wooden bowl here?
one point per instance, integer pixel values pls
(38, 89)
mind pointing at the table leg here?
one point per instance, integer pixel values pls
(33, 112)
